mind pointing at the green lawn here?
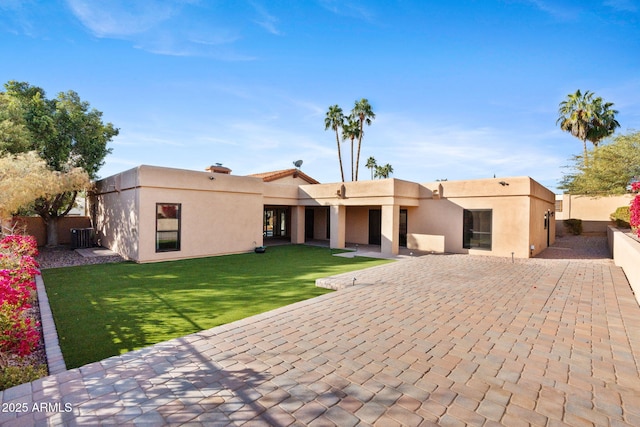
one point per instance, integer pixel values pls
(109, 309)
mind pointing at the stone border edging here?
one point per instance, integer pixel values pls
(55, 361)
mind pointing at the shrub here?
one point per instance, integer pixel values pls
(15, 375)
(574, 226)
(19, 245)
(634, 208)
(622, 217)
(19, 333)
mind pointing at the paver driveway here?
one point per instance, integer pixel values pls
(437, 340)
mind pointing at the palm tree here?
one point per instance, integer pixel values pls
(335, 120)
(364, 114)
(371, 164)
(587, 118)
(351, 130)
(605, 123)
(384, 171)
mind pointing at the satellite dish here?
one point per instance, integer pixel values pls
(297, 163)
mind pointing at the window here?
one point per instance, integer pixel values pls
(402, 238)
(558, 205)
(477, 229)
(167, 227)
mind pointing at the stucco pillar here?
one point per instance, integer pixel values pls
(338, 220)
(390, 230)
(297, 224)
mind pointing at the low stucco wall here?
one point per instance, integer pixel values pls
(425, 242)
(626, 254)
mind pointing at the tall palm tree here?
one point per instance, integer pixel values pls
(363, 112)
(351, 130)
(587, 118)
(371, 164)
(335, 120)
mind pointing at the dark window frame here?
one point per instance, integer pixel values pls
(476, 236)
(165, 247)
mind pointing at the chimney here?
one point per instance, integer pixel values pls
(218, 168)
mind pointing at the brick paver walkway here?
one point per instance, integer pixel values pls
(439, 340)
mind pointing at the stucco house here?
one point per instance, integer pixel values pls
(154, 213)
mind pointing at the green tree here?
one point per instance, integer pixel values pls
(613, 166)
(66, 133)
(587, 118)
(384, 171)
(14, 135)
(351, 131)
(371, 165)
(334, 120)
(363, 112)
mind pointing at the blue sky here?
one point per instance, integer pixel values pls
(461, 89)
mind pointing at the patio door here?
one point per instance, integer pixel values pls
(375, 226)
(309, 218)
(276, 222)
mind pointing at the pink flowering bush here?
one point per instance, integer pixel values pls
(18, 268)
(19, 245)
(634, 209)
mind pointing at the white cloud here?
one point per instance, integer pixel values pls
(266, 20)
(351, 9)
(559, 11)
(622, 5)
(121, 18)
(16, 16)
(423, 151)
(164, 27)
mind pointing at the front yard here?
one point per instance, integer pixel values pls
(109, 309)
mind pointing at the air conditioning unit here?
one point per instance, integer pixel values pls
(81, 238)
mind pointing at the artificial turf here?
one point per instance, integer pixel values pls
(108, 309)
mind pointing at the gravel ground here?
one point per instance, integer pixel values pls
(578, 247)
(66, 257)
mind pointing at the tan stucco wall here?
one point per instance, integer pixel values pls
(278, 194)
(357, 225)
(224, 214)
(538, 235)
(116, 215)
(290, 180)
(218, 216)
(510, 221)
(361, 193)
(593, 211)
(320, 218)
(516, 214)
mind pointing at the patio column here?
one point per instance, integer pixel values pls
(390, 230)
(297, 224)
(338, 220)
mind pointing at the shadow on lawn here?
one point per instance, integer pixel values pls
(123, 307)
